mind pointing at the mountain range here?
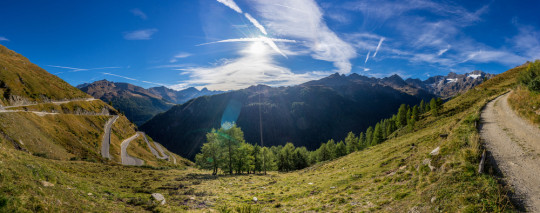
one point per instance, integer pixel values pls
(306, 114)
(139, 104)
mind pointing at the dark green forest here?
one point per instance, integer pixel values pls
(226, 149)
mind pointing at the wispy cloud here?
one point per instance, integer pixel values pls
(256, 23)
(137, 12)
(441, 52)
(249, 69)
(378, 47)
(3, 38)
(75, 69)
(133, 79)
(231, 4)
(303, 20)
(484, 56)
(180, 55)
(269, 41)
(140, 34)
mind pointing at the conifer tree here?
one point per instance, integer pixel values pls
(415, 113)
(433, 107)
(331, 146)
(324, 154)
(361, 141)
(377, 135)
(369, 136)
(402, 116)
(341, 149)
(351, 142)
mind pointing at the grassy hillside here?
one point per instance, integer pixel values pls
(526, 103)
(398, 175)
(69, 130)
(21, 81)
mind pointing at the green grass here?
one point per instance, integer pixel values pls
(526, 103)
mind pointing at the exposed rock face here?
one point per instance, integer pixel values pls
(181, 96)
(452, 84)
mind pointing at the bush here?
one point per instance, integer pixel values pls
(531, 76)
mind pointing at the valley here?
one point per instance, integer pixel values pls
(403, 173)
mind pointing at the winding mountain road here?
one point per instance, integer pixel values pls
(52, 102)
(106, 143)
(154, 151)
(126, 158)
(515, 145)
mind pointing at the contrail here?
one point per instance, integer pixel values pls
(269, 41)
(256, 23)
(367, 57)
(378, 47)
(231, 4)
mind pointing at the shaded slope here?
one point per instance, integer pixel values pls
(306, 115)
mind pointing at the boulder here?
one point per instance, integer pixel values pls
(435, 151)
(159, 198)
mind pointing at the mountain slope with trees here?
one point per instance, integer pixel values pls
(305, 115)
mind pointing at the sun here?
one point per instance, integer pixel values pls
(257, 48)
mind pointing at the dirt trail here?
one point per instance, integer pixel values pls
(515, 146)
(126, 158)
(106, 142)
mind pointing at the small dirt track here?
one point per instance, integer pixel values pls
(515, 146)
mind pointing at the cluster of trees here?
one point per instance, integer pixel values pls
(226, 149)
(531, 76)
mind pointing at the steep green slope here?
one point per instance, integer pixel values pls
(305, 115)
(23, 82)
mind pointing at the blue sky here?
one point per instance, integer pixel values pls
(232, 44)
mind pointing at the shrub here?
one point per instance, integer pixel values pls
(531, 76)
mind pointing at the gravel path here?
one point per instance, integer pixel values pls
(515, 146)
(126, 158)
(105, 144)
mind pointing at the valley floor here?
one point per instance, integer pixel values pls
(515, 145)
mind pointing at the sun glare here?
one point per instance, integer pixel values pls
(257, 48)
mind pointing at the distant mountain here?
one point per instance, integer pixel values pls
(307, 114)
(452, 84)
(181, 96)
(137, 103)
